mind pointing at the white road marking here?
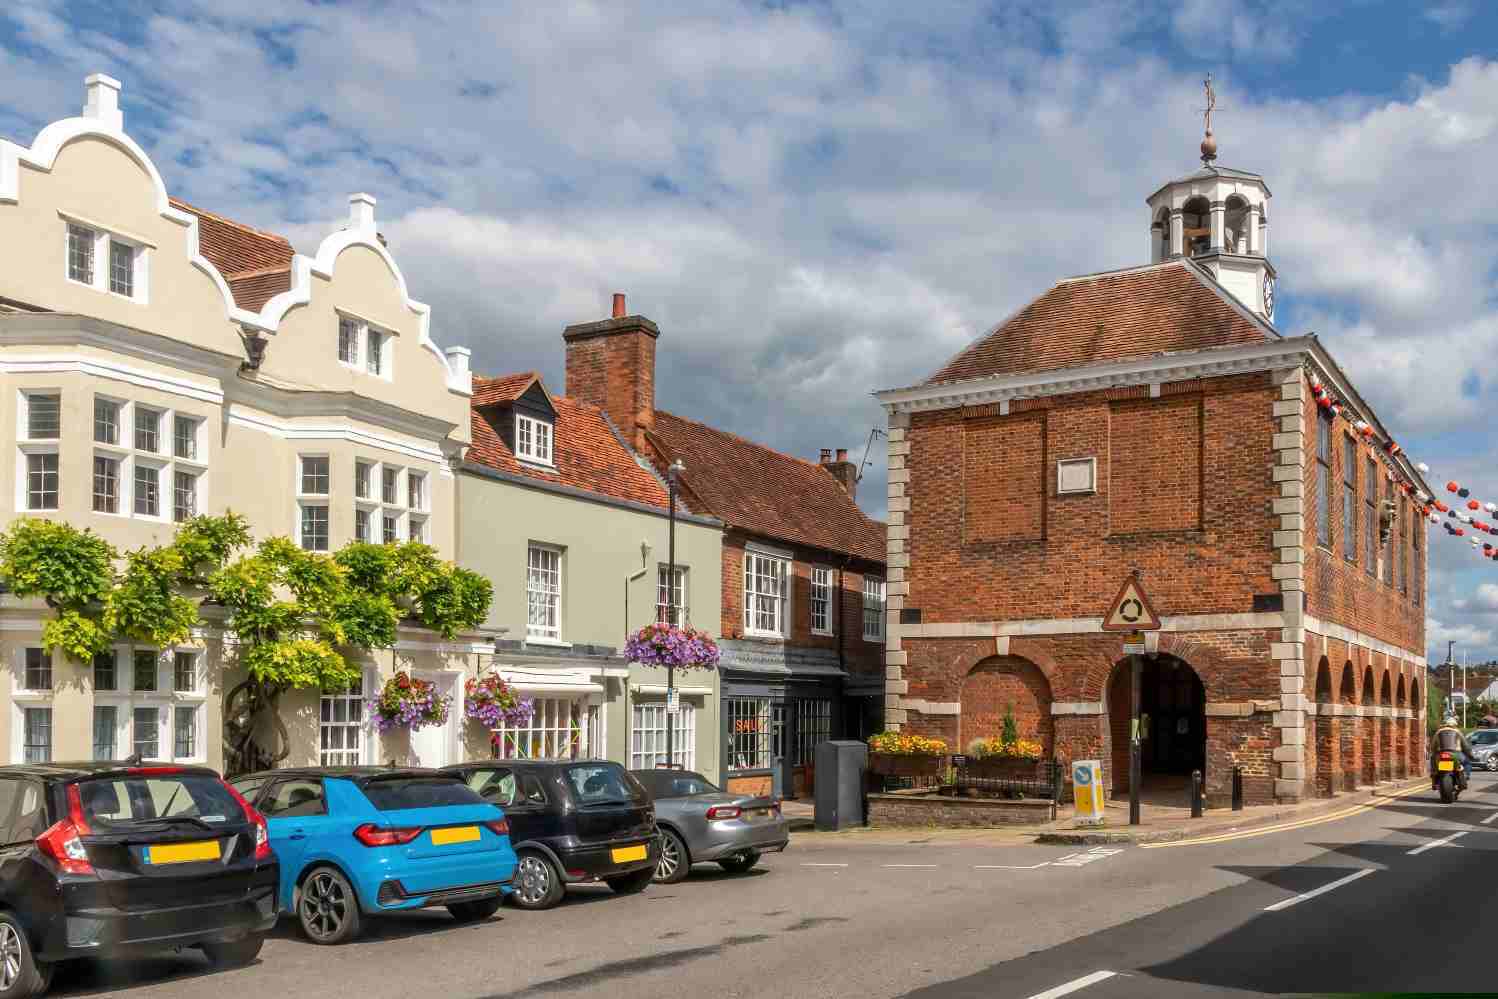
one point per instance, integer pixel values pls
(1297, 899)
(1010, 867)
(1446, 841)
(1490, 818)
(907, 865)
(1074, 985)
(1080, 859)
(824, 865)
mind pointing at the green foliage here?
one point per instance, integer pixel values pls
(78, 634)
(298, 662)
(46, 558)
(205, 543)
(146, 604)
(1010, 731)
(455, 600)
(367, 620)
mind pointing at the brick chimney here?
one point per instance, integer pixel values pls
(611, 364)
(841, 469)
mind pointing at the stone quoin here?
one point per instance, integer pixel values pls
(1153, 419)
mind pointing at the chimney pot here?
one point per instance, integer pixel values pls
(826, 456)
(101, 100)
(619, 312)
(842, 454)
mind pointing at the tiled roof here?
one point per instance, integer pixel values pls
(253, 289)
(588, 454)
(1173, 306)
(503, 388)
(242, 252)
(765, 492)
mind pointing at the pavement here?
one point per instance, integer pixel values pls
(1375, 898)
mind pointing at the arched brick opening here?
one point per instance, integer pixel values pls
(1368, 725)
(1417, 729)
(1386, 729)
(1326, 741)
(1401, 731)
(1007, 683)
(1173, 720)
(1347, 724)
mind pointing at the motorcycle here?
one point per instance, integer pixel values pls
(1448, 777)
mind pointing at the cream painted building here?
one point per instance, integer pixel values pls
(161, 361)
(572, 527)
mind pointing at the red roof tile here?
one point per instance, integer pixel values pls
(1108, 317)
(588, 454)
(253, 289)
(503, 388)
(241, 251)
(765, 492)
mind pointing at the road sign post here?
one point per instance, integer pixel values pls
(1132, 612)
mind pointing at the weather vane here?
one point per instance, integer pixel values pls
(1209, 141)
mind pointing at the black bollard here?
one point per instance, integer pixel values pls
(1196, 794)
(1237, 789)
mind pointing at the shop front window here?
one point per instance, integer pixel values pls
(749, 732)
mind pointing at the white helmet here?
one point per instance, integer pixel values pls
(1450, 720)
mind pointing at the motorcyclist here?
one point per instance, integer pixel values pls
(1448, 738)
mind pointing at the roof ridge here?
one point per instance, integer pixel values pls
(178, 202)
(1136, 269)
(739, 437)
(508, 374)
(257, 272)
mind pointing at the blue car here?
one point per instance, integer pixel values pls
(360, 841)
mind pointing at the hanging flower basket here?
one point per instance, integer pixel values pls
(895, 754)
(409, 703)
(664, 645)
(492, 703)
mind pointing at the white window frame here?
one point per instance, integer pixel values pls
(307, 501)
(100, 454)
(24, 453)
(531, 433)
(165, 700)
(647, 734)
(1076, 476)
(194, 506)
(23, 427)
(366, 334)
(683, 611)
(541, 633)
(163, 509)
(548, 735)
(873, 600)
(119, 421)
(755, 558)
(344, 756)
(822, 579)
(378, 509)
(100, 278)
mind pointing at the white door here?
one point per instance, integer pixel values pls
(432, 746)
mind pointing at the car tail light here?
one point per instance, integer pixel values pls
(62, 841)
(500, 828)
(724, 812)
(152, 771)
(252, 814)
(372, 835)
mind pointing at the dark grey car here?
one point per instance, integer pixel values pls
(699, 823)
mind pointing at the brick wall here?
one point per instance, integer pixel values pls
(1006, 684)
(611, 365)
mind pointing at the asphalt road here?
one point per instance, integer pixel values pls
(1377, 900)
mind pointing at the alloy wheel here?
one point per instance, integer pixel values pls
(324, 905)
(670, 859)
(10, 956)
(535, 880)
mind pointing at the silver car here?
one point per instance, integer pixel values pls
(1484, 748)
(699, 823)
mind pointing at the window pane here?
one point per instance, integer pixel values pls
(315, 476)
(821, 600)
(185, 437)
(185, 733)
(184, 672)
(104, 671)
(1370, 527)
(106, 719)
(43, 417)
(873, 609)
(544, 592)
(147, 490)
(416, 489)
(341, 718)
(667, 599)
(388, 533)
(315, 528)
(38, 669)
(361, 525)
(184, 496)
(348, 341)
(147, 430)
(389, 482)
(147, 733)
(375, 350)
(361, 480)
(417, 531)
(37, 736)
(106, 421)
(1323, 483)
(106, 485)
(144, 673)
(41, 481)
(81, 254)
(121, 268)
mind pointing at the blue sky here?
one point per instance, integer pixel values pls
(815, 200)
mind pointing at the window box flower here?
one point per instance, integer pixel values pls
(897, 754)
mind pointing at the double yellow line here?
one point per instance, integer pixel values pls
(1286, 826)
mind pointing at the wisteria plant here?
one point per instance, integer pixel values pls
(491, 702)
(663, 645)
(407, 702)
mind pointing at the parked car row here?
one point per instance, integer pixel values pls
(115, 860)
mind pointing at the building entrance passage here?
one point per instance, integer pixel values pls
(1172, 722)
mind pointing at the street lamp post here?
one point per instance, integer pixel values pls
(672, 474)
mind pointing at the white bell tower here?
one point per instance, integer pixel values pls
(1219, 217)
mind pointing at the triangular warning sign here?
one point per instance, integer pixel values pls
(1131, 609)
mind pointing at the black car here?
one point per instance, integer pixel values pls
(109, 860)
(571, 822)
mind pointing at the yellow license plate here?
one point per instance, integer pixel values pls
(182, 853)
(1445, 765)
(457, 834)
(625, 854)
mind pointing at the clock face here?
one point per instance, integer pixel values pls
(1269, 297)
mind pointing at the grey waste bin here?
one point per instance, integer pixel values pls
(840, 775)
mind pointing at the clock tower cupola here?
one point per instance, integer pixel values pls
(1219, 217)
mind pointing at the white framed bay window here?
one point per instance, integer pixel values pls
(105, 261)
(560, 727)
(150, 702)
(766, 586)
(647, 735)
(543, 593)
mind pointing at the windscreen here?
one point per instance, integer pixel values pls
(394, 794)
(604, 783)
(130, 800)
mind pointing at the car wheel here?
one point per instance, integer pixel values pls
(675, 863)
(537, 883)
(629, 884)
(327, 907)
(740, 864)
(21, 974)
(234, 953)
(473, 912)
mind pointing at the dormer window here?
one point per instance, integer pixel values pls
(106, 261)
(532, 439)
